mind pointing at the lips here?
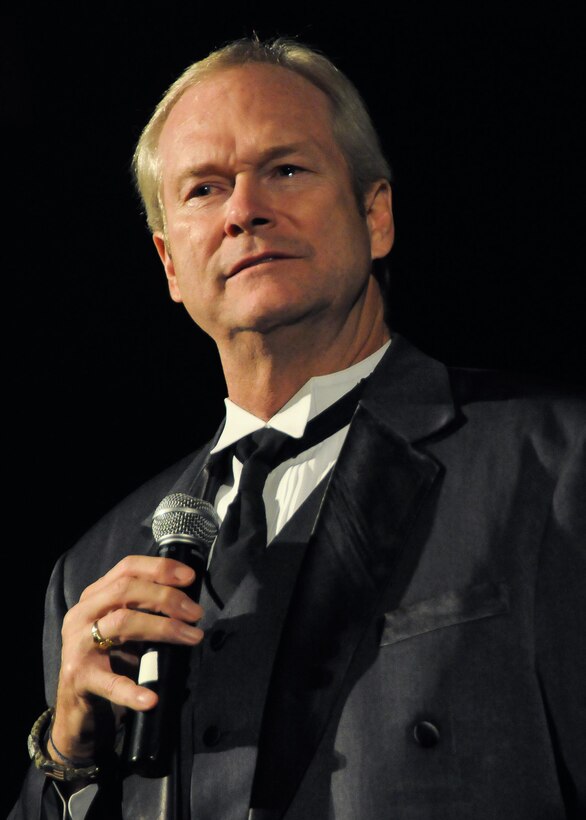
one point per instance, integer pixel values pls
(252, 261)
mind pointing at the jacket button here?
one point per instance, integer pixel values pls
(211, 736)
(426, 734)
(218, 639)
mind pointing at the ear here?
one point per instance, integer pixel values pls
(379, 218)
(165, 257)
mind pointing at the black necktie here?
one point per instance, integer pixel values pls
(243, 534)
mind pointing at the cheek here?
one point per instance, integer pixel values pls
(344, 240)
(193, 251)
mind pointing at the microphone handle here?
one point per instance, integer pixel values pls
(152, 736)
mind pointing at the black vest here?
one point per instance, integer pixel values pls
(232, 669)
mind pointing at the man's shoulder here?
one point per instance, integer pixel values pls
(511, 413)
(518, 392)
(410, 383)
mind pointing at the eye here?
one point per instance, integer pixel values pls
(289, 170)
(200, 191)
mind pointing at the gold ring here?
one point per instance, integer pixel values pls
(98, 638)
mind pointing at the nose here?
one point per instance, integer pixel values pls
(248, 208)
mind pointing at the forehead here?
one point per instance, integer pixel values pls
(248, 106)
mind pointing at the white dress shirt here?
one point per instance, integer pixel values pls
(289, 484)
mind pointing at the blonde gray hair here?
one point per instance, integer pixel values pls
(351, 123)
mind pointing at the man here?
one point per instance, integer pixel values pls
(410, 642)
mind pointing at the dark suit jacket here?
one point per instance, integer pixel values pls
(432, 664)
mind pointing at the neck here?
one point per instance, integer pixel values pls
(263, 371)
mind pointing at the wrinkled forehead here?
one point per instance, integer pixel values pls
(256, 97)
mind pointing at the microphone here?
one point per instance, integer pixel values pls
(185, 529)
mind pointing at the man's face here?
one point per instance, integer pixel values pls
(263, 227)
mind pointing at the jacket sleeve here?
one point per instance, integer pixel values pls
(560, 627)
(100, 548)
(38, 798)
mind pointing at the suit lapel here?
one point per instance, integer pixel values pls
(375, 494)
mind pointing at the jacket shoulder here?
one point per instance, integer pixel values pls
(475, 385)
(124, 530)
(516, 408)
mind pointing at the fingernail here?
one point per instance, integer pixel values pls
(184, 574)
(191, 609)
(146, 698)
(191, 633)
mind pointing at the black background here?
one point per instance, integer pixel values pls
(107, 381)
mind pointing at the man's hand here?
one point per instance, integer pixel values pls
(128, 602)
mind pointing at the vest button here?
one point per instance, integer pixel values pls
(426, 734)
(218, 639)
(211, 736)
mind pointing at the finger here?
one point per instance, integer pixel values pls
(125, 660)
(121, 691)
(123, 625)
(137, 593)
(158, 570)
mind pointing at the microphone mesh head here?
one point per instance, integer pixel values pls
(181, 515)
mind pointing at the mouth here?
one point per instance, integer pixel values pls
(253, 261)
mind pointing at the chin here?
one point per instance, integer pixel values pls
(277, 318)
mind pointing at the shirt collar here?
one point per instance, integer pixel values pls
(315, 396)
